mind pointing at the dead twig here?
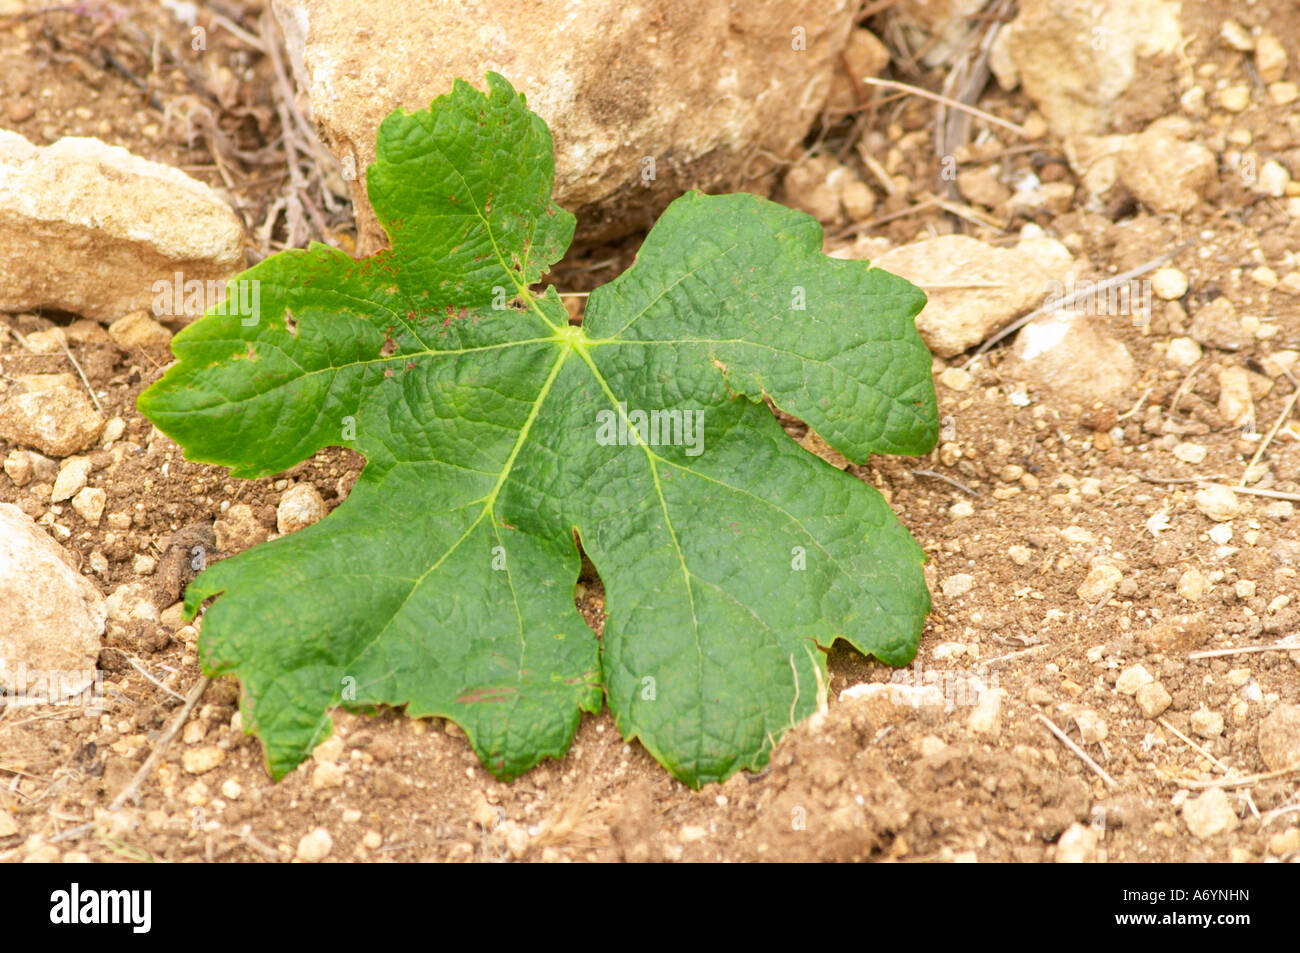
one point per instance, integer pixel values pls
(140, 668)
(1169, 481)
(80, 373)
(1100, 604)
(72, 832)
(247, 836)
(965, 82)
(1274, 814)
(1256, 491)
(951, 103)
(1235, 782)
(1289, 644)
(929, 203)
(1013, 655)
(1286, 412)
(23, 774)
(234, 29)
(964, 211)
(1079, 752)
(1194, 746)
(1136, 407)
(131, 790)
(946, 479)
(1086, 290)
(286, 109)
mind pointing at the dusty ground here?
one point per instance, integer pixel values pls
(1051, 487)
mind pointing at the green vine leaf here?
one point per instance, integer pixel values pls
(494, 431)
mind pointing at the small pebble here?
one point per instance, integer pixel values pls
(89, 504)
(300, 506)
(1279, 510)
(1169, 284)
(1270, 58)
(958, 585)
(1284, 843)
(1220, 534)
(954, 378)
(931, 745)
(1131, 679)
(1236, 405)
(1206, 723)
(691, 833)
(1235, 98)
(315, 846)
(1273, 179)
(1183, 352)
(18, 465)
(1283, 94)
(1078, 845)
(202, 760)
(1219, 503)
(1210, 814)
(1153, 699)
(1100, 581)
(1092, 727)
(1264, 276)
(331, 749)
(113, 430)
(72, 477)
(1191, 585)
(327, 775)
(1236, 36)
(986, 717)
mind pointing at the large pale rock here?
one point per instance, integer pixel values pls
(1159, 166)
(89, 228)
(51, 413)
(1075, 58)
(51, 617)
(701, 87)
(1071, 355)
(1166, 174)
(974, 288)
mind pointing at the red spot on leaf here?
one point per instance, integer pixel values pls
(486, 695)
